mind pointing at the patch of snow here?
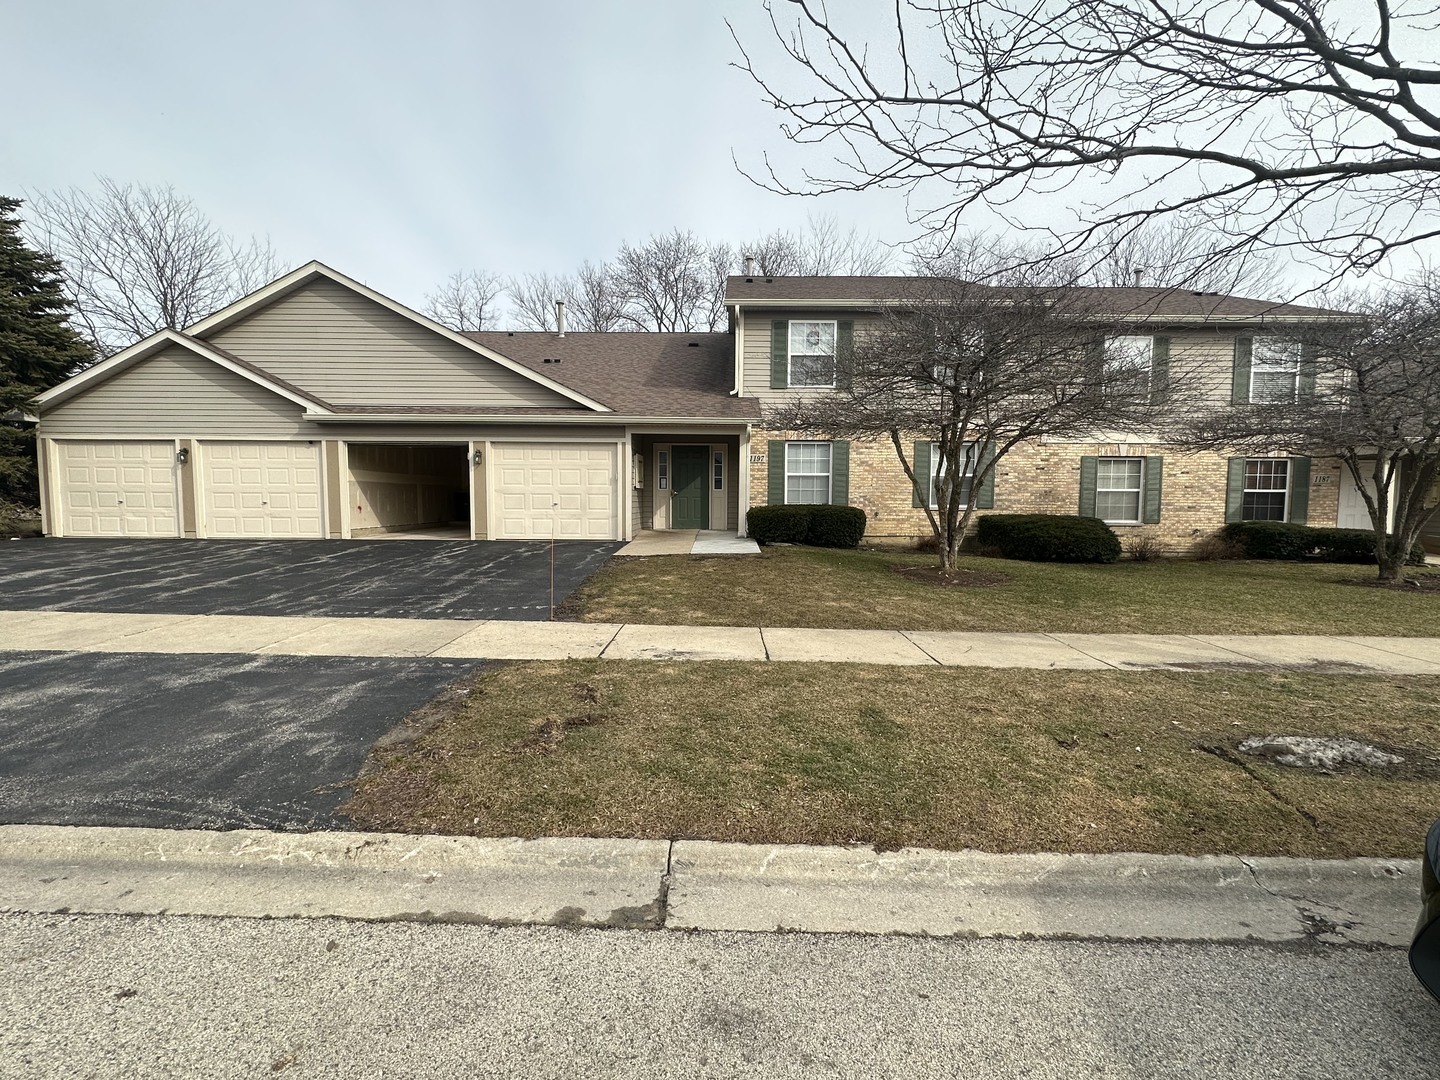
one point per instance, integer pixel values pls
(1312, 752)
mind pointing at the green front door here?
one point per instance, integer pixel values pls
(689, 493)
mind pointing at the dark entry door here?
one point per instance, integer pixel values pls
(690, 495)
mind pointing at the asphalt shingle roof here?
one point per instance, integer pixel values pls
(1147, 303)
(635, 374)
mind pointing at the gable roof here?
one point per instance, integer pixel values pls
(636, 374)
(311, 271)
(1142, 303)
(155, 343)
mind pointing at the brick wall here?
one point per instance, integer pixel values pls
(1044, 478)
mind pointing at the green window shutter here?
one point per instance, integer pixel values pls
(840, 473)
(921, 461)
(1306, 389)
(775, 464)
(779, 355)
(1299, 490)
(1160, 371)
(844, 352)
(1240, 379)
(1089, 473)
(1154, 473)
(1234, 489)
(985, 494)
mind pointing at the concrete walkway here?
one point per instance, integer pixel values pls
(689, 542)
(68, 631)
(701, 885)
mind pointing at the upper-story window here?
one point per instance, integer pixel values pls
(812, 353)
(1275, 370)
(1128, 361)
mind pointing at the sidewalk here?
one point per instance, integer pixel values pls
(700, 885)
(68, 631)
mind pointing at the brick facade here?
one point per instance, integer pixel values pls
(1044, 478)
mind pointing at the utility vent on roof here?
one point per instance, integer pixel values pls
(547, 360)
(693, 344)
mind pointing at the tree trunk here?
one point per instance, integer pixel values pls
(1392, 566)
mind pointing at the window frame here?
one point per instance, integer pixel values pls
(1266, 366)
(1147, 373)
(829, 473)
(1138, 489)
(717, 470)
(972, 462)
(790, 354)
(1246, 489)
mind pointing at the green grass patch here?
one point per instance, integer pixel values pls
(861, 590)
(947, 758)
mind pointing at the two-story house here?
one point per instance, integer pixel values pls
(319, 408)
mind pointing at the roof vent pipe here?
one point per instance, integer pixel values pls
(1138, 275)
(749, 265)
(560, 317)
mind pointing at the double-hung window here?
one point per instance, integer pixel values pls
(1128, 361)
(1118, 484)
(1267, 490)
(812, 353)
(1275, 370)
(967, 475)
(807, 472)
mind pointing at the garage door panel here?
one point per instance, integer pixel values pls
(255, 490)
(117, 488)
(549, 489)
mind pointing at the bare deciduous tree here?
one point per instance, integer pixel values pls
(1293, 125)
(674, 282)
(468, 300)
(1366, 391)
(822, 247)
(973, 371)
(140, 259)
(597, 301)
(533, 298)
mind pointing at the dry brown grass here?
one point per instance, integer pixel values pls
(948, 758)
(861, 590)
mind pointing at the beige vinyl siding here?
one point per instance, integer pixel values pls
(170, 394)
(350, 350)
(756, 347)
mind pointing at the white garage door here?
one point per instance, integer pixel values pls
(117, 488)
(257, 490)
(565, 490)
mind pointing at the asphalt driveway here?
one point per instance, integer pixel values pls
(187, 742)
(416, 579)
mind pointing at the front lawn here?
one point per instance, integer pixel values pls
(943, 758)
(861, 590)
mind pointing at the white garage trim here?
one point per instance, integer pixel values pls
(301, 522)
(519, 483)
(67, 519)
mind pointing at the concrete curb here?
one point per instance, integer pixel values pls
(382, 876)
(701, 885)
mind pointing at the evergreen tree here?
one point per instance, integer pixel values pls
(38, 348)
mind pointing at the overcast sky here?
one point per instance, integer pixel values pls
(401, 141)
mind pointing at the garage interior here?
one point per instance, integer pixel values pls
(411, 490)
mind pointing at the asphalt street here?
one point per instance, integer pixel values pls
(196, 742)
(405, 579)
(105, 996)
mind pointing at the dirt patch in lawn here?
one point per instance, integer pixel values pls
(1420, 583)
(959, 578)
(954, 758)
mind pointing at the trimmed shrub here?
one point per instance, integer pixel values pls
(1048, 537)
(1270, 539)
(778, 524)
(835, 526)
(1281, 540)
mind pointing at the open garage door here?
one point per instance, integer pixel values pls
(121, 488)
(261, 490)
(564, 490)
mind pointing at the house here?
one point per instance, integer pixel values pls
(319, 408)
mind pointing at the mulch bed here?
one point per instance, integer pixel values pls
(933, 575)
